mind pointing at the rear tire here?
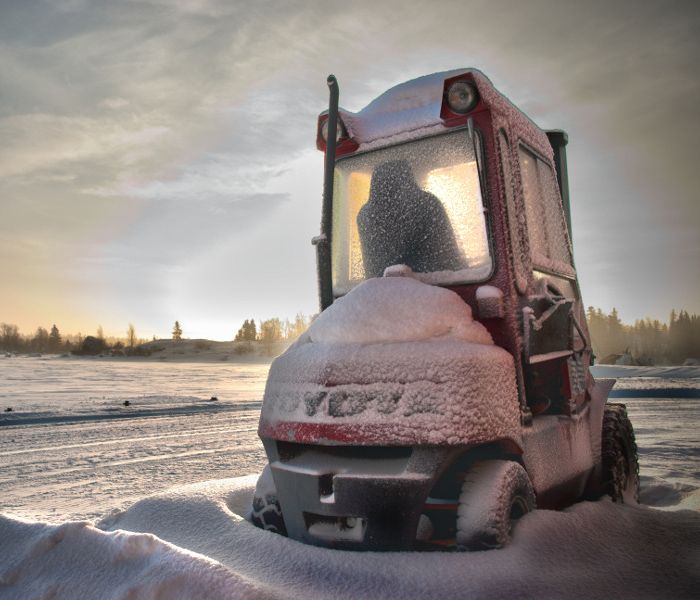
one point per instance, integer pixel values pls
(620, 475)
(495, 495)
(267, 513)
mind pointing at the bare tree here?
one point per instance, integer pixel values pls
(9, 336)
(270, 332)
(40, 341)
(131, 336)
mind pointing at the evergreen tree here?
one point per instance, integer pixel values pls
(247, 332)
(177, 331)
(241, 335)
(616, 335)
(54, 339)
(252, 334)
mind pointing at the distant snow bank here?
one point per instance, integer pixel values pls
(609, 551)
(624, 372)
(651, 382)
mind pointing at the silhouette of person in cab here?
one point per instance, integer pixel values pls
(403, 224)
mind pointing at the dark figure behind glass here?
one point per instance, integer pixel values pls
(402, 224)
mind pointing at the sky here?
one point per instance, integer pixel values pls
(158, 157)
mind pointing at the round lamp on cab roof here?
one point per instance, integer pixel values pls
(339, 131)
(462, 96)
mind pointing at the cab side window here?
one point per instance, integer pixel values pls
(545, 216)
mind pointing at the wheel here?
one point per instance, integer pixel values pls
(495, 494)
(267, 513)
(620, 474)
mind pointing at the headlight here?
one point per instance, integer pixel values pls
(339, 131)
(462, 96)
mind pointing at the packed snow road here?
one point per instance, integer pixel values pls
(81, 470)
(71, 449)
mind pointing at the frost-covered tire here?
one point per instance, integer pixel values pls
(495, 494)
(620, 464)
(267, 513)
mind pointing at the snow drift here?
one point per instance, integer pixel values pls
(610, 551)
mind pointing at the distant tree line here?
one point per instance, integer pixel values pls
(41, 341)
(51, 341)
(647, 342)
(268, 332)
(11, 340)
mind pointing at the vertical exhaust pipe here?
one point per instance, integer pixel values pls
(558, 140)
(323, 241)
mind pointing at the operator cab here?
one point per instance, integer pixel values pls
(444, 176)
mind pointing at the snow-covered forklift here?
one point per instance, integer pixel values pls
(444, 391)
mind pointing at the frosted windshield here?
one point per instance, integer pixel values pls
(417, 204)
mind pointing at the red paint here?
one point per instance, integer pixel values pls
(344, 146)
(357, 434)
(453, 119)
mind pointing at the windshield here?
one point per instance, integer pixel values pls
(417, 204)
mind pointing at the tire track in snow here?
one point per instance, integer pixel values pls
(116, 440)
(145, 459)
(84, 470)
(116, 451)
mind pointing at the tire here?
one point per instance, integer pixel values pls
(495, 494)
(267, 513)
(620, 464)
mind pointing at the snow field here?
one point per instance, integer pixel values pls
(192, 541)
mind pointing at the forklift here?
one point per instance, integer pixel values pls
(444, 391)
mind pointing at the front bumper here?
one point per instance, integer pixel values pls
(363, 498)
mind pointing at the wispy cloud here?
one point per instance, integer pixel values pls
(40, 141)
(150, 130)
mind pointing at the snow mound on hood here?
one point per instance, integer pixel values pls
(397, 309)
(608, 550)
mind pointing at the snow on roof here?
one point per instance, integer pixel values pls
(608, 550)
(411, 110)
(406, 111)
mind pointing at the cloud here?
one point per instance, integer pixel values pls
(127, 125)
(114, 103)
(40, 141)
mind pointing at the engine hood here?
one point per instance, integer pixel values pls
(407, 393)
(394, 362)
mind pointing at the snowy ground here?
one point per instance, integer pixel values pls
(70, 450)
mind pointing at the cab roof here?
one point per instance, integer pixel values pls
(411, 110)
